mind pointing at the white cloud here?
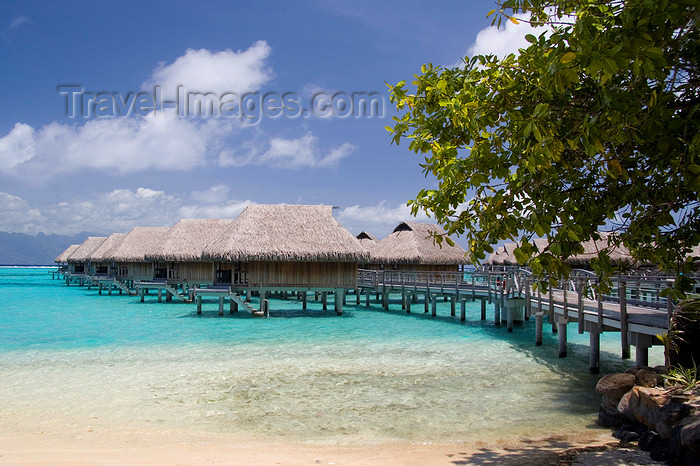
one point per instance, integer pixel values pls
(18, 21)
(165, 141)
(115, 211)
(217, 72)
(380, 219)
(504, 40)
(295, 153)
(16, 147)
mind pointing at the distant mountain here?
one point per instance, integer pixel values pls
(21, 249)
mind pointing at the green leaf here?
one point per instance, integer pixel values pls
(568, 57)
(530, 38)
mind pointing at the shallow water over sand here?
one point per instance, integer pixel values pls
(73, 360)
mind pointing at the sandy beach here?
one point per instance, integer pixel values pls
(93, 447)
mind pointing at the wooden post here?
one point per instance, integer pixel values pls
(324, 300)
(143, 293)
(221, 306)
(339, 300)
(233, 305)
(483, 309)
(265, 308)
(160, 295)
(669, 307)
(463, 310)
(539, 317)
(199, 303)
(562, 337)
(368, 294)
(552, 320)
(403, 298)
(408, 304)
(426, 302)
(595, 350)
(303, 300)
(357, 296)
(109, 289)
(624, 336)
(641, 355)
(497, 313)
(509, 316)
(99, 288)
(434, 313)
(580, 307)
(528, 299)
(453, 303)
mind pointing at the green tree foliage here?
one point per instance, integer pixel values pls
(593, 127)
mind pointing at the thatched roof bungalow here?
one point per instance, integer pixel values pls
(412, 246)
(178, 256)
(79, 259)
(63, 257)
(130, 254)
(504, 254)
(287, 247)
(367, 240)
(100, 256)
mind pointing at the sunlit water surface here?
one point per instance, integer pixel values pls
(71, 359)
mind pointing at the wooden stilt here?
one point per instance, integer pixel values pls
(426, 303)
(594, 364)
(463, 310)
(143, 293)
(562, 337)
(233, 306)
(324, 299)
(339, 301)
(199, 304)
(221, 306)
(434, 313)
(453, 303)
(303, 300)
(160, 295)
(497, 313)
(509, 316)
(539, 317)
(483, 309)
(624, 335)
(641, 355)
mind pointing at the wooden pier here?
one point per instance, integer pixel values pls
(635, 309)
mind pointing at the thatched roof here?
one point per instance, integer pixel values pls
(185, 241)
(367, 240)
(64, 255)
(291, 233)
(104, 250)
(412, 243)
(504, 254)
(82, 252)
(591, 249)
(136, 244)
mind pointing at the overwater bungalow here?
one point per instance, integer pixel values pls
(367, 240)
(178, 256)
(103, 266)
(62, 259)
(286, 248)
(129, 256)
(78, 261)
(412, 246)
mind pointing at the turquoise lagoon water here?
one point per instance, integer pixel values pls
(71, 359)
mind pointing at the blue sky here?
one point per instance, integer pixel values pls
(114, 169)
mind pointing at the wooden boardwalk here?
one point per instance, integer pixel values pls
(636, 311)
